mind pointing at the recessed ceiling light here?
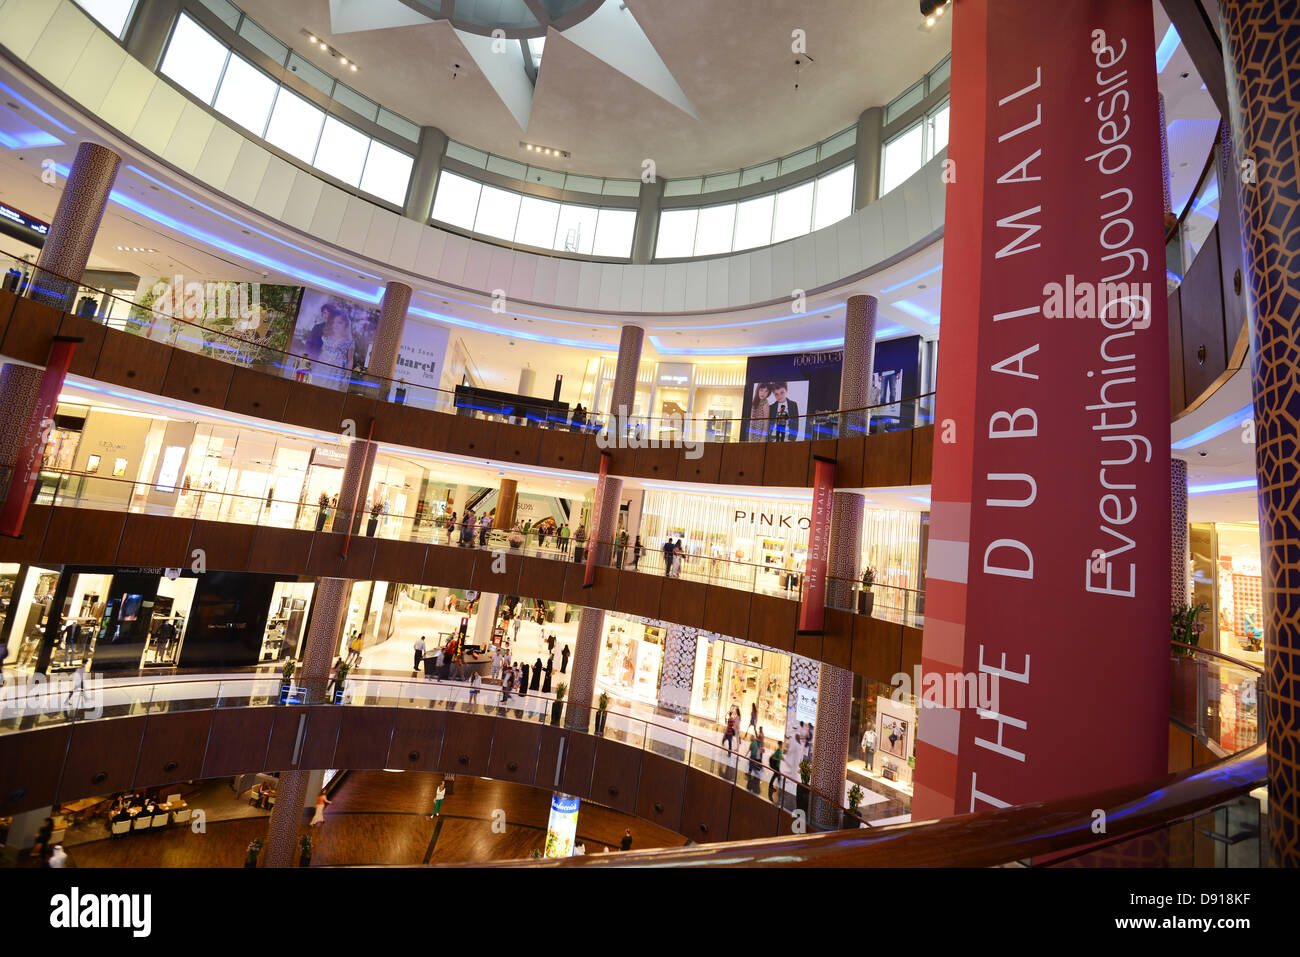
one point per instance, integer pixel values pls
(311, 38)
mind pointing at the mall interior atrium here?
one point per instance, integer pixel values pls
(571, 434)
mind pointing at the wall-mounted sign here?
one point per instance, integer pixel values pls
(20, 226)
(673, 374)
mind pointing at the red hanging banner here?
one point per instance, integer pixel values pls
(589, 572)
(812, 610)
(1050, 517)
(27, 467)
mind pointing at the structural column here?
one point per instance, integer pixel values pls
(424, 174)
(388, 337)
(76, 222)
(647, 221)
(866, 171)
(151, 24)
(835, 685)
(1260, 37)
(586, 652)
(1180, 556)
(677, 676)
(507, 496)
(19, 386)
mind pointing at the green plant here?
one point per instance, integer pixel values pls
(868, 577)
(376, 510)
(855, 798)
(536, 853)
(603, 701)
(343, 672)
(1185, 627)
(254, 848)
(286, 672)
(560, 691)
(805, 771)
(304, 844)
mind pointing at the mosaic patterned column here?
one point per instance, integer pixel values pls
(677, 676)
(844, 564)
(19, 386)
(1261, 40)
(1166, 178)
(388, 337)
(859, 358)
(831, 741)
(76, 222)
(286, 819)
(604, 512)
(623, 391)
(354, 486)
(1179, 556)
(582, 670)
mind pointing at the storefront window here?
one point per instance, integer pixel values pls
(630, 658)
(728, 673)
(29, 611)
(1239, 621)
(284, 624)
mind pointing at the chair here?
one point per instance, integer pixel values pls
(141, 822)
(120, 827)
(173, 799)
(160, 820)
(181, 816)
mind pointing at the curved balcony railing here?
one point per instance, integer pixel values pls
(1216, 698)
(212, 339)
(41, 705)
(68, 488)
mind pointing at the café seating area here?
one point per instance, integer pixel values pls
(131, 813)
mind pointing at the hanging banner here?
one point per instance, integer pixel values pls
(1050, 515)
(589, 573)
(812, 610)
(27, 467)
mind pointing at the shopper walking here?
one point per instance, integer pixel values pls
(753, 716)
(536, 684)
(523, 679)
(484, 526)
(419, 653)
(475, 682)
(580, 544)
(729, 736)
(755, 765)
(774, 762)
(550, 666)
(626, 843)
(438, 798)
(668, 557)
(636, 553)
(564, 540)
(564, 660)
(620, 546)
(318, 818)
(869, 747)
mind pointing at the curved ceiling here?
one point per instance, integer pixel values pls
(699, 87)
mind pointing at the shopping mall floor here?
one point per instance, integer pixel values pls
(376, 817)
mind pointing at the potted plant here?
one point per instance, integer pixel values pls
(286, 679)
(375, 511)
(339, 682)
(322, 511)
(1184, 627)
(557, 708)
(802, 792)
(855, 800)
(602, 703)
(254, 848)
(866, 598)
(304, 851)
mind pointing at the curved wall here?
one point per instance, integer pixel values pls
(40, 768)
(901, 458)
(69, 52)
(60, 535)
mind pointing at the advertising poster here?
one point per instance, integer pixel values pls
(562, 826)
(248, 324)
(896, 376)
(1052, 513)
(335, 336)
(420, 361)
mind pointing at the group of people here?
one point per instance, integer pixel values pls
(470, 529)
(674, 554)
(757, 748)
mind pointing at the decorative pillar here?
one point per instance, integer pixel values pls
(1180, 556)
(623, 389)
(582, 670)
(866, 171)
(677, 676)
(19, 387)
(527, 381)
(1166, 177)
(286, 819)
(507, 496)
(1260, 37)
(76, 222)
(354, 486)
(388, 337)
(859, 360)
(830, 753)
(424, 174)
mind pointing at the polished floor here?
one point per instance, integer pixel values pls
(381, 817)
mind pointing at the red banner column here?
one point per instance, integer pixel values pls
(1260, 42)
(1050, 514)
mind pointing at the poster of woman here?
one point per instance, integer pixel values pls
(335, 335)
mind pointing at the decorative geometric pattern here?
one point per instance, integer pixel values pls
(353, 485)
(286, 819)
(845, 549)
(1179, 556)
(582, 669)
(623, 391)
(1164, 156)
(388, 337)
(19, 387)
(76, 221)
(831, 735)
(678, 673)
(1262, 48)
(859, 358)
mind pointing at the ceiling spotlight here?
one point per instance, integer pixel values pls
(933, 8)
(929, 21)
(311, 38)
(354, 68)
(343, 60)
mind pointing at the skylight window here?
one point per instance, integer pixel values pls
(535, 47)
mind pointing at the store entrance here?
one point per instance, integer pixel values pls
(728, 673)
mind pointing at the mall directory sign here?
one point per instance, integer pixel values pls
(1048, 576)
